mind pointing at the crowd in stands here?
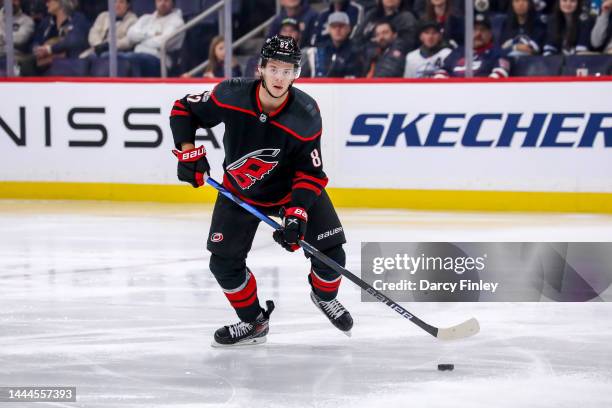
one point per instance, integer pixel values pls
(339, 38)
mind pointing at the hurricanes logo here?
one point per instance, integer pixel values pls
(216, 237)
(251, 168)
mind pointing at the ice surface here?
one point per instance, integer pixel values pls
(116, 299)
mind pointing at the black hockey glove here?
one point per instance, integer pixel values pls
(293, 228)
(193, 167)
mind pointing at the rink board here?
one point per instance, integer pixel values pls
(481, 145)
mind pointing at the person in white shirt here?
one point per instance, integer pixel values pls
(429, 57)
(23, 29)
(99, 32)
(148, 34)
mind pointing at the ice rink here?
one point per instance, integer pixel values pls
(117, 300)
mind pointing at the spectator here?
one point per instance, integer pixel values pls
(568, 29)
(216, 60)
(62, 34)
(336, 58)
(98, 35)
(457, 7)
(601, 36)
(429, 57)
(395, 13)
(384, 56)
(366, 4)
(452, 25)
(148, 34)
(522, 31)
(487, 59)
(289, 28)
(352, 9)
(299, 10)
(23, 29)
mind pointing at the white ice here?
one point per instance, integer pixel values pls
(116, 299)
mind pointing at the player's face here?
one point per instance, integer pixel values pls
(438, 3)
(520, 7)
(339, 32)
(568, 6)
(430, 37)
(278, 76)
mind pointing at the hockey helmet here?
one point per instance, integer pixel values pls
(281, 48)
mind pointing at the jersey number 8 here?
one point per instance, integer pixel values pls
(316, 159)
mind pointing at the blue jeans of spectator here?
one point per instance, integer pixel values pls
(143, 65)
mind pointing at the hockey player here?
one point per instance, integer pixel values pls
(272, 161)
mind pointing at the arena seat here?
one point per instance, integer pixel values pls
(72, 67)
(537, 65)
(99, 68)
(593, 64)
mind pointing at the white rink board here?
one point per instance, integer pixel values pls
(352, 113)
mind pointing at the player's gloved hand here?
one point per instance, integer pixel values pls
(193, 166)
(293, 228)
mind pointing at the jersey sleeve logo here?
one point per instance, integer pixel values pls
(252, 167)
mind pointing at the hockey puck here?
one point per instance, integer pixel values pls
(446, 367)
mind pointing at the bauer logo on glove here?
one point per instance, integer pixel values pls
(193, 166)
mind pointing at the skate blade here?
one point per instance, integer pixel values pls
(243, 343)
(348, 333)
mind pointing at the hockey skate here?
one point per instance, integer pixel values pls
(243, 333)
(335, 312)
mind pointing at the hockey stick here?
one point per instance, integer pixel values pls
(466, 329)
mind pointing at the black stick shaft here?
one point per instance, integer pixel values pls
(329, 262)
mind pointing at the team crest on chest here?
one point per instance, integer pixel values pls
(253, 167)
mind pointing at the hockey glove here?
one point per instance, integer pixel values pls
(193, 167)
(293, 229)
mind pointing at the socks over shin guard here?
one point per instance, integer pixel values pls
(244, 299)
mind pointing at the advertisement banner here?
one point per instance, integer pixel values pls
(524, 136)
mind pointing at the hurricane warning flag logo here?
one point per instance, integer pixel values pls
(252, 167)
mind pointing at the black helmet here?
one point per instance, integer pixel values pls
(281, 48)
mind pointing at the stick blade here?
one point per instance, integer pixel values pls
(460, 331)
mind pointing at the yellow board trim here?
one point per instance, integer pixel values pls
(342, 197)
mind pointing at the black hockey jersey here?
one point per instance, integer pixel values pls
(270, 159)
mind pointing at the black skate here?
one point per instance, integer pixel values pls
(243, 333)
(335, 312)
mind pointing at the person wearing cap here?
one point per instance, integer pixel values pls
(336, 57)
(384, 55)
(429, 57)
(488, 59)
(352, 9)
(299, 10)
(62, 34)
(395, 12)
